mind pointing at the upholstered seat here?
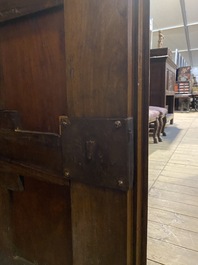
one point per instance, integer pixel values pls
(153, 114)
(162, 118)
(163, 111)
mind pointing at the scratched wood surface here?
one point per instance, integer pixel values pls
(150, 262)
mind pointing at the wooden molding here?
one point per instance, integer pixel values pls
(16, 8)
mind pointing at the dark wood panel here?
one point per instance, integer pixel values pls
(32, 69)
(5, 233)
(41, 223)
(157, 82)
(16, 8)
(96, 50)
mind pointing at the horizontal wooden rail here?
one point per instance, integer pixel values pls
(17, 8)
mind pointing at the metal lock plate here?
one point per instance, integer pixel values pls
(98, 152)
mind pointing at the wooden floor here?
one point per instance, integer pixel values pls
(173, 194)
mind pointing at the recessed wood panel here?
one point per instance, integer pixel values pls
(41, 223)
(32, 69)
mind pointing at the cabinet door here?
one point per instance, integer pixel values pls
(69, 66)
(170, 76)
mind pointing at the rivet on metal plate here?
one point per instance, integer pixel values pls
(118, 124)
(66, 173)
(120, 182)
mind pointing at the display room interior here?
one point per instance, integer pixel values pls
(176, 23)
(173, 170)
(98, 132)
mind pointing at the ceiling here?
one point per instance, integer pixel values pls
(178, 22)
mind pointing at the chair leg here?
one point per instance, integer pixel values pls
(155, 131)
(160, 129)
(164, 120)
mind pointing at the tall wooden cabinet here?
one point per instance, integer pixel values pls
(162, 80)
(74, 79)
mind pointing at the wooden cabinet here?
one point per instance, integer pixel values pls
(162, 80)
(73, 94)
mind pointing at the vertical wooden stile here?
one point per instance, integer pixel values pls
(107, 76)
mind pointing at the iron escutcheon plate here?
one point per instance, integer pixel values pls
(98, 151)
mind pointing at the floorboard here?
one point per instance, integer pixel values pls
(173, 194)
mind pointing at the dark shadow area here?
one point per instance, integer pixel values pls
(172, 132)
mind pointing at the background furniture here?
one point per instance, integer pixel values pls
(154, 125)
(195, 102)
(182, 95)
(163, 119)
(182, 101)
(195, 97)
(162, 80)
